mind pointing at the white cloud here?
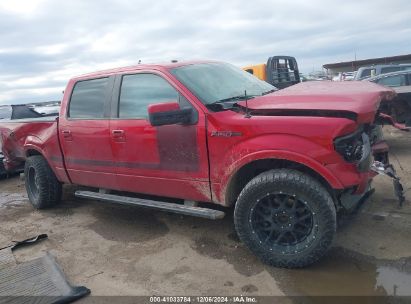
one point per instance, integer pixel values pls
(45, 42)
(52, 49)
(24, 8)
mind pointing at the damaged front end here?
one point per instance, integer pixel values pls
(381, 165)
(388, 170)
(352, 100)
(367, 149)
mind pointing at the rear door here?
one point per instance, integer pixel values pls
(84, 132)
(168, 160)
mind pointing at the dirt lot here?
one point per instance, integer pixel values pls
(115, 250)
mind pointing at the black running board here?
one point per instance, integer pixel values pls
(163, 206)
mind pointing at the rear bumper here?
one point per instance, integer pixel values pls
(11, 166)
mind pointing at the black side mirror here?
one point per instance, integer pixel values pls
(169, 113)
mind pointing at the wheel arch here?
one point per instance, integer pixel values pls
(33, 150)
(33, 145)
(30, 151)
(251, 169)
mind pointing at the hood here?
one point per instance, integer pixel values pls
(356, 100)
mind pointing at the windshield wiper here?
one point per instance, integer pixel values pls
(268, 92)
(234, 98)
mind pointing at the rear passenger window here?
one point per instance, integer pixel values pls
(140, 90)
(88, 98)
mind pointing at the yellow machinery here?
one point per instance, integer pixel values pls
(257, 70)
(280, 71)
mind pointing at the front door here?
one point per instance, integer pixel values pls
(166, 160)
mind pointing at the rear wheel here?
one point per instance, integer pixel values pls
(286, 218)
(43, 188)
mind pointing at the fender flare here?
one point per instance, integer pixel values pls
(295, 157)
(33, 143)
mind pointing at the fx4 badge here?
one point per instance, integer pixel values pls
(225, 134)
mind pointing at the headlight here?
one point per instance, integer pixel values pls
(353, 147)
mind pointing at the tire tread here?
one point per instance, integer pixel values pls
(299, 180)
(50, 191)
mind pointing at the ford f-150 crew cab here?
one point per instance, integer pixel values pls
(287, 160)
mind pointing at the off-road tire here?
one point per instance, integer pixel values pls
(295, 186)
(43, 188)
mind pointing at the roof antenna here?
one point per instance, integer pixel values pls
(247, 111)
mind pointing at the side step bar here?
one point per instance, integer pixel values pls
(163, 206)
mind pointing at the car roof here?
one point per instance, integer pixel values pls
(388, 74)
(156, 66)
(384, 66)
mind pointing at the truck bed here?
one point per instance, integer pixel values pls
(19, 135)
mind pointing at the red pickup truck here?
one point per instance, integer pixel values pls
(287, 160)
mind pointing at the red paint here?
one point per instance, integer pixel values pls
(392, 122)
(163, 107)
(193, 161)
(351, 96)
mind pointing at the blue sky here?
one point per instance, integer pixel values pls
(45, 42)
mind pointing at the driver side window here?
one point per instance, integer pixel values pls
(140, 90)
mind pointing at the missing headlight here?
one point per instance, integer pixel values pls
(352, 146)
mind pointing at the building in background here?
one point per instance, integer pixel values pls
(334, 69)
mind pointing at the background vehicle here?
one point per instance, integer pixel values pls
(317, 76)
(400, 107)
(376, 70)
(394, 79)
(345, 76)
(288, 160)
(279, 71)
(30, 110)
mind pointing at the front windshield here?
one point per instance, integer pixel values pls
(213, 82)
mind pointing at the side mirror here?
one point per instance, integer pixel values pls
(168, 113)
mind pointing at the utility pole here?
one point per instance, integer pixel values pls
(355, 60)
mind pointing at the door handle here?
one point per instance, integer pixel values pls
(118, 133)
(66, 133)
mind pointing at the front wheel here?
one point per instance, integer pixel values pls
(286, 218)
(43, 188)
